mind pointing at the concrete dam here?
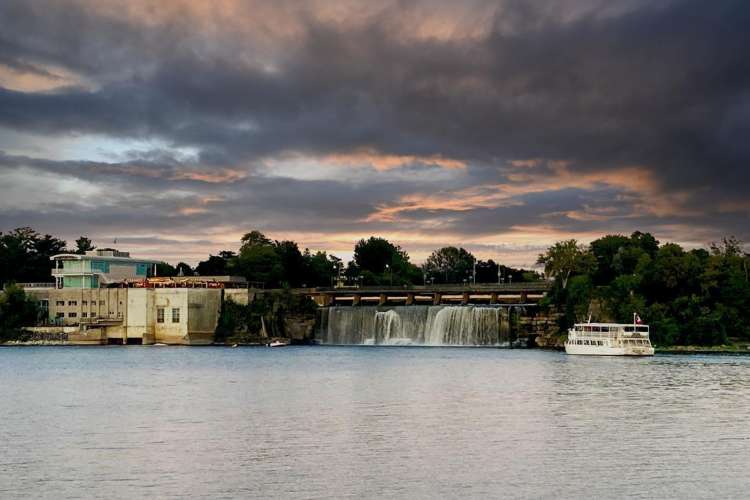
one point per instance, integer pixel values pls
(430, 325)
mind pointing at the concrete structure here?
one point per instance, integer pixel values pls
(98, 268)
(481, 293)
(135, 315)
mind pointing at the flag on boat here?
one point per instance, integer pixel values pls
(637, 319)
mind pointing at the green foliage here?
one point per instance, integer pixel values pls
(374, 254)
(165, 270)
(25, 255)
(257, 260)
(184, 269)
(380, 262)
(216, 265)
(16, 311)
(449, 265)
(688, 297)
(565, 259)
(83, 245)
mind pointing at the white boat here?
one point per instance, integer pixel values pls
(609, 339)
(278, 343)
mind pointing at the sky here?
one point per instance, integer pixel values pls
(178, 126)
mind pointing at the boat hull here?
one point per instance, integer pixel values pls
(591, 350)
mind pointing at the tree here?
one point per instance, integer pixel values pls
(25, 255)
(449, 265)
(165, 270)
(374, 254)
(320, 268)
(604, 251)
(83, 245)
(729, 246)
(564, 259)
(255, 238)
(184, 269)
(646, 242)
(381, 262)
(292, 263)
(215, 265)
(258, 260)
(16, 311)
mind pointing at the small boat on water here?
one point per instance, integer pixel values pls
(609, 339)
(278, 343)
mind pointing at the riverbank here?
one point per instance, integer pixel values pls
(694, 349)
(742, 350)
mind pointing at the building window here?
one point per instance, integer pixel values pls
(84, 302)
(72, 302)
(60, 315)
(93, 302)
(119, 315)
(160, 315)
(60, 303)
(72, 315)
(93, 315)
(100, 266)
(175, 315)
(84, 315)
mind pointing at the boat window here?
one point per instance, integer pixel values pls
(642, 328)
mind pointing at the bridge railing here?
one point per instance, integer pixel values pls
(457, 287)
(35, 285)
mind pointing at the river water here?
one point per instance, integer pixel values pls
(337, 422)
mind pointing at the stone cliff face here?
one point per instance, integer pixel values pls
(267, 315)
(543, 330)
(299, 327)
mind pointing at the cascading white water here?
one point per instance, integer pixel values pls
(417, 324)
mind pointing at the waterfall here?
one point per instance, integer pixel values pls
(416, 324)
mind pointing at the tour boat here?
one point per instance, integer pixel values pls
(609, 339)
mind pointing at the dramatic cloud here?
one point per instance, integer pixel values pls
(501, 126)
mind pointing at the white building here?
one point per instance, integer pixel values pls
(99, 268)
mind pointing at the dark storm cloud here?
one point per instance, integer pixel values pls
(663, 87)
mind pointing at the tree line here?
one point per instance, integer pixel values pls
(377, 261)
(688, 297)
(25, 257)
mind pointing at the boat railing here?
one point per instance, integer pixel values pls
(610, 334)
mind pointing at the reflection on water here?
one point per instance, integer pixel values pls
(361, 421)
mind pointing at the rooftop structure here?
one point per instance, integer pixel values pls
(99, 268)
(187, 282)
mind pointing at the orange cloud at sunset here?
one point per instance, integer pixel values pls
(383, 162)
